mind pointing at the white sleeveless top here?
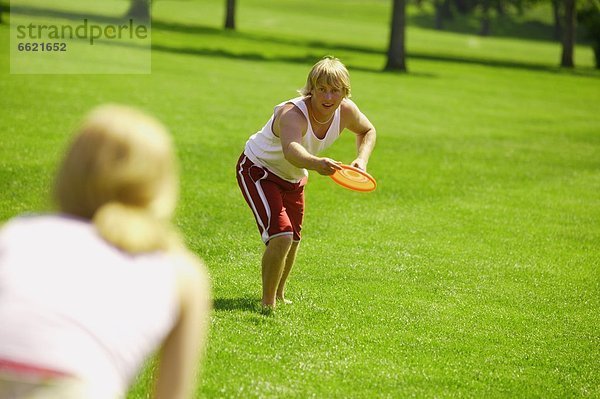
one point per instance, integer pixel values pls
(264, 148)
(73, 303)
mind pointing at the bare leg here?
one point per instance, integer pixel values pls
(272, 267)
(289, 263)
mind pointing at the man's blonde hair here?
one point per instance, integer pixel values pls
(120, 171)
(328, 70)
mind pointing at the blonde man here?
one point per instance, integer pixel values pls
(272, 170)
(90, 293)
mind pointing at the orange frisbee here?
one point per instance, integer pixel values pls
(354, 179)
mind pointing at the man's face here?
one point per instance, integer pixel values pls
(326, 98)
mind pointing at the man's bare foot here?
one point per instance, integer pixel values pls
(285, 301)
(267, 310)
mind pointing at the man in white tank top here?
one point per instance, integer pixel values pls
(272, 170)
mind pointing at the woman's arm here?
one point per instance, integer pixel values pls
(184, 347)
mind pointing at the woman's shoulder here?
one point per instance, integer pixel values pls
(36, 224)
(188, 266)
(193, 279)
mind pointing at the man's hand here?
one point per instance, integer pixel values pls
(360, 164)
(327, 166)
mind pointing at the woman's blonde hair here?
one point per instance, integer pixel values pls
(120, 171)
(328, 70)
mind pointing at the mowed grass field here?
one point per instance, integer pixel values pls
(472, 271)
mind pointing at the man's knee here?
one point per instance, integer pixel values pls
(282, 242)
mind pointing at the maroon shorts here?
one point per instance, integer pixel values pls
(277, 204)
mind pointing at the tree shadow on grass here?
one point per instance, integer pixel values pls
(61, 14)
(312, 57)
(249, 304)
(221, 53)
(529, 66)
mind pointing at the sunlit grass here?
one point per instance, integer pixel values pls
(471, 271)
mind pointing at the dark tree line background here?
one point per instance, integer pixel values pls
(567, 14)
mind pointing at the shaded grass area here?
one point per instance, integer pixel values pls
(471, 271)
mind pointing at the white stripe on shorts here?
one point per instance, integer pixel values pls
(265, 233)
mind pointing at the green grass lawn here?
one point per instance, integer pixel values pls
(472, 271)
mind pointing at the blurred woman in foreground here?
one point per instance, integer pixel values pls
(87, 295)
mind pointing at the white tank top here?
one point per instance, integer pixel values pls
(72, 303)
(264, 148)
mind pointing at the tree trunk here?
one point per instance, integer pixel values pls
(230, 14)
(139, 9)
(396, 55)
(485, 18)
(500, 8)
(443, 11)
(556, 13)
(447, 10)
(568, 42)
(439, 17)
(462, 6)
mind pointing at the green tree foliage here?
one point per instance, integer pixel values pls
(485, 9)
(566, 14)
